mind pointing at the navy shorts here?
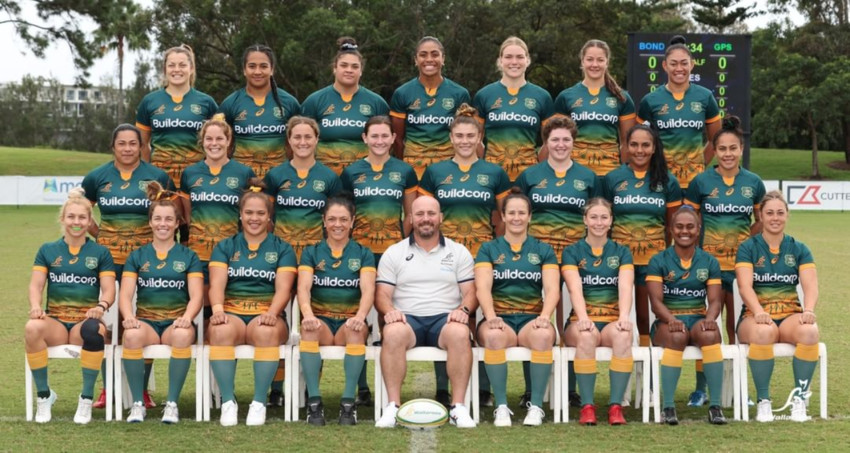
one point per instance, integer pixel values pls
(427, 328)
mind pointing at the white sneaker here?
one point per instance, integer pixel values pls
(387, 419)
(798, 410)
(534, 417)
(459, 416)
(229, 412)
(83, 415)
(137, 413)
(764, 412)
(502, 416)
(170, 413)
(256, 414)
(43, 413)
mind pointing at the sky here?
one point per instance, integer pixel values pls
(18, 60)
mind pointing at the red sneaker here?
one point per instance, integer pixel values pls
(615, 415)
(148, 400)
(588, 415)
(101, 400)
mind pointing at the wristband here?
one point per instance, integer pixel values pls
(464, 309)
(103, 305)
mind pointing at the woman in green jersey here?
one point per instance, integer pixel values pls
(167, 281)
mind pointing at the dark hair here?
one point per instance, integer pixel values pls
(516, 194)
(268, 52)
(558, 121)
(376, 120)
(610, 83)
(256, 189)
(344, 199)
(162, 197)
(429, 39)
(125, 127)
(347, 46)
(466, 114)
(685, 209)
(730, 124)
(678, 42)
(658, 175)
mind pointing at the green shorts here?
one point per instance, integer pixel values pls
(158, 326)
(247, 318)
(334, 324)
(727, 279)
(689, 320)
(68, 325)
(599, 325)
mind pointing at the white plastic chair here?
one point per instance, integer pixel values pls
(69, 351)
(123, 396)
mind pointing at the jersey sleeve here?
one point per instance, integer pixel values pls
(334, 185)
(465, 265)
(673, 192)
(222, 251)
(143, 116)
(483, 256)
(503, 187)
(547, 108)
(286, 259)
(654, 268)
(345, 179)
(593, 187)
(745, 256)
(426, 185)
(387, 267)
(713, 269)
(41, 260)
(758, 197)
(569, 258)
(693, 194)
(410, 180)
(308, 257)
(132, 264)
(271, 182)
(105, 261)
(712, 111)
(367, 258)
(804, 256)
(625, 256)
(644, 113)
(226, 108)
(547, 255)
(211, 106)
(309, 107)
(606, 186)
(560, 104)
(398, 107)
(89, 186)
(478, 102)
(627, 107)
(195, 266)
(381, 106)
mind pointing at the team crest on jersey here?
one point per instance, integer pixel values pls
(286, 185)
(543, 183)
(160, 110)
(145, 267)
(500, 259)
(319, 186)
(448, 180)
(577, 103)
(91, 262)
(278, 112)
(143, 185)
(360, 179)
(242, 116)
(320, 266)
(365, 109)
(747, 192)
(448, 103)
(431, 102)
(354, 264)
(198, 183)
(696, 107)
(415, 105)
(759, 262)
(613, 262)
(714, 193)
(232, 182)
(271, 257)
(260, 111)
(482, 179)
(497, 104)
(178, 107)
(582, 264)
(534, 258)
(196, 109)
(665, 109)
(329, 110)
(530, 103)
(702, 274)
(179, 266)
(395, 177)
(670, 277)
(235, 256)
(107, 187)
(611, 102)
(579, 184)
(57, 262)
(790, 261)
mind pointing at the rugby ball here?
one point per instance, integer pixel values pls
(422, 413)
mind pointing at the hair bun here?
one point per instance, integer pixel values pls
(731, 122)
(218, 117)
(347, 44)
(678, 39)
(466, 110)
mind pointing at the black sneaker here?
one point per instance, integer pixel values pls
(275, 399)
(316, 413)
(443, 397)
(669, 416)
(525, 400)
(485, 399)
(715, 416)
(347, 414)
(575, 399)
(364, 398)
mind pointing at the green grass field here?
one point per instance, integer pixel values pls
(26, 228)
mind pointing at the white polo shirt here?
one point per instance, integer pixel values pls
(426, 283)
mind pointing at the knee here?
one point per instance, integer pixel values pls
(623, 338)
(542, 339)
(455, 334)
(706, 337)
(90, 333)
(33, 329)
(808, 334)
(182, 338)
(677, 340)
(764, 334)
(393, 335)
(587, 339)
(493, 338)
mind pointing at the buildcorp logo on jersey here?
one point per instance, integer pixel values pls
(817, 196)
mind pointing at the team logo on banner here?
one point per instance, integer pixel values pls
(319, 186)
(579, 184)
(271, 257)
(696, 107)
(395, 177)
(91, 262)
(448, 103)
(747, 192)
(354, 264)
(530, 103)
(196, 109)
(613, 262)
(179, 266)
(611, 102)
(365, 109)
(232, 182)
(534, 258)
(702, 274)
(482, 179)
(790, 261)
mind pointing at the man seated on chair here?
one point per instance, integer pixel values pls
(425, 291)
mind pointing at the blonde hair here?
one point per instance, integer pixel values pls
(185, 49)
(159, 196)
(512, 41)
(298, 120)
(76, 196)
(466, 114)
(773, 195)
(216, 120)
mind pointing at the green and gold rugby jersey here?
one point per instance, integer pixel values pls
(468, 197)
(557, 202)
(684, 284)
(299, 199)
(599, 270)
(123, 205)
(174, 124)
(251, 271)
(336, 277)
(259, 127)
(597, 113)
(680, 120)
(214, 194)
(73, 277)
(512, 122)
(640, 211)
(379, 199)
(727, 208)
(162, 282)
(341, 122)
(427, 117)
(776, 273)
(517, 273)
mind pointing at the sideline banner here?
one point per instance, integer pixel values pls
(817, 195)
(36, 190)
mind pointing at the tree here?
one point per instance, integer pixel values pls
(720, 15)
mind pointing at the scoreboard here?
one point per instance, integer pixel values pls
(722, 64)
